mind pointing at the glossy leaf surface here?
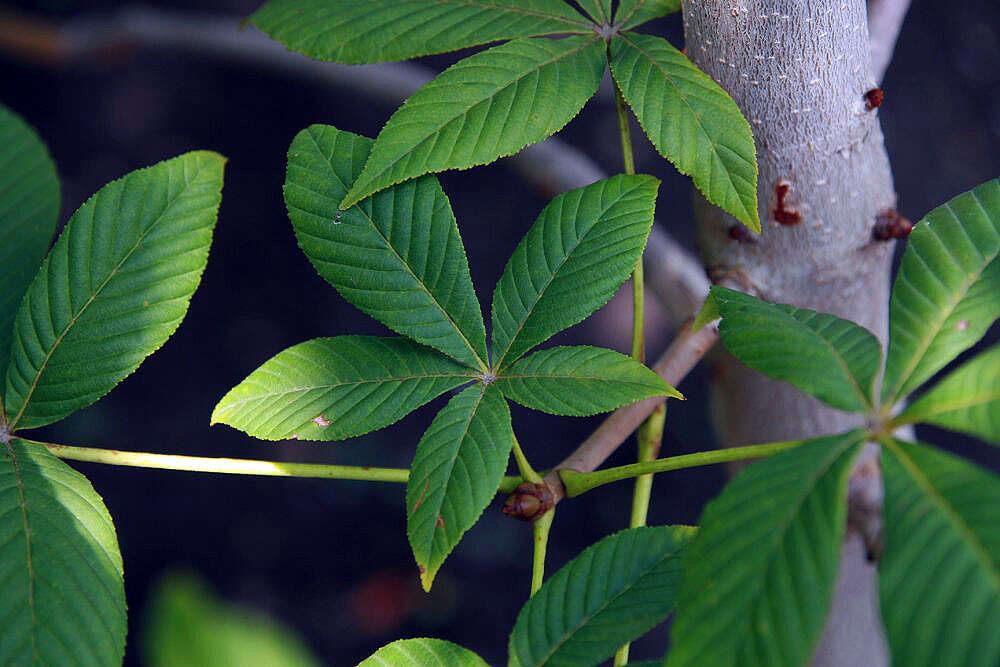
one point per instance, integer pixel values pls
(422, 652)
(337, 388)
(397, 256)
(761, 571)
(632, 13)
(947, 291)
(115, 286)
(490, 105)
(580, 250)
(939, 575)
(580, 380)
(458, 466)
(63, 601)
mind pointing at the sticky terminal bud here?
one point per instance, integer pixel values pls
(528, 502)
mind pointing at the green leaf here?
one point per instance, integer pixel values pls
(968, 400)
(349, 31)
(29, 210)
(691, 121)
(760, 573)
(599, 10)
(398, 256)
(336, 388)
(63, 601)
(947, 291)
(632, 13)
(187, 626)
(580, 381)
(580, 250)
(423, 652)
(939, 576)
(458, 466)
(832, 359)
(613, 592)
(115, 286)
(490, 105)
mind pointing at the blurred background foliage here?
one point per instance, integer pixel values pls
(330, 558)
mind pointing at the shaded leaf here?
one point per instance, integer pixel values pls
(398, 256)
(613, 592)
(115, 286)
(422, 652)
(691, 120)
(458, 466)
(348, 31)
(63, 601)
(580, 250)
(599, 10)
(580, 381)
(187, 626)
(490, 105)
(967, 400)
(939, 576)
(832, 359)
(947, 291)
(760, 573)
(336, 388)
(632, 13)
(29, 208)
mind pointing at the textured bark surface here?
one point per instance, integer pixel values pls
(799, 70)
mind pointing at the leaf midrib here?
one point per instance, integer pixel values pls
(466, 107)
(938, 499)
(468, 344)
(567, 636)
(58, 341)
(936, 408)
(26, 524)
(694, 114)
(924, 343)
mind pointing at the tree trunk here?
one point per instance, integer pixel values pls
(799, 70)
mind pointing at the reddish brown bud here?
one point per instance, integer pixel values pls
(741, 234)
(889, 224)
(528, 502)
(873, 98)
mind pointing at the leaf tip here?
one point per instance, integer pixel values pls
(426, 577)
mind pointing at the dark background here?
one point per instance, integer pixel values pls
(329, 557)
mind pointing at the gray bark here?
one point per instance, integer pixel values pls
(799, 70)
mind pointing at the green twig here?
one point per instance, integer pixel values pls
(579, 482)
(238, 466)
(540, 528)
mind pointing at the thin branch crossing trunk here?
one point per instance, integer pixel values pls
(800, 71)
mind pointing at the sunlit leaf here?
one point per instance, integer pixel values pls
(422, 652)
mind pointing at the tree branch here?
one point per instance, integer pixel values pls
(674, 275)
(885, 17)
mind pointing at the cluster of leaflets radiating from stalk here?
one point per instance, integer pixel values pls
(398, 256)
(73, 324)
(763, 565)
(499, 100)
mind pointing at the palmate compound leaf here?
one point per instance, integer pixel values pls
(490, 105)
(456, 470)
(372, 31)
(632, 13)
(422, 652)
(613, 592)
(580, 381)
(335, 388)
(939, 575)
(830, 358)
(580, 250)
(967, 400)
(397, 256)
(187, 626)
(947, 291)
(691, 121)
(63, 600)
(115, 286)
(29, 208)
(760, 573)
